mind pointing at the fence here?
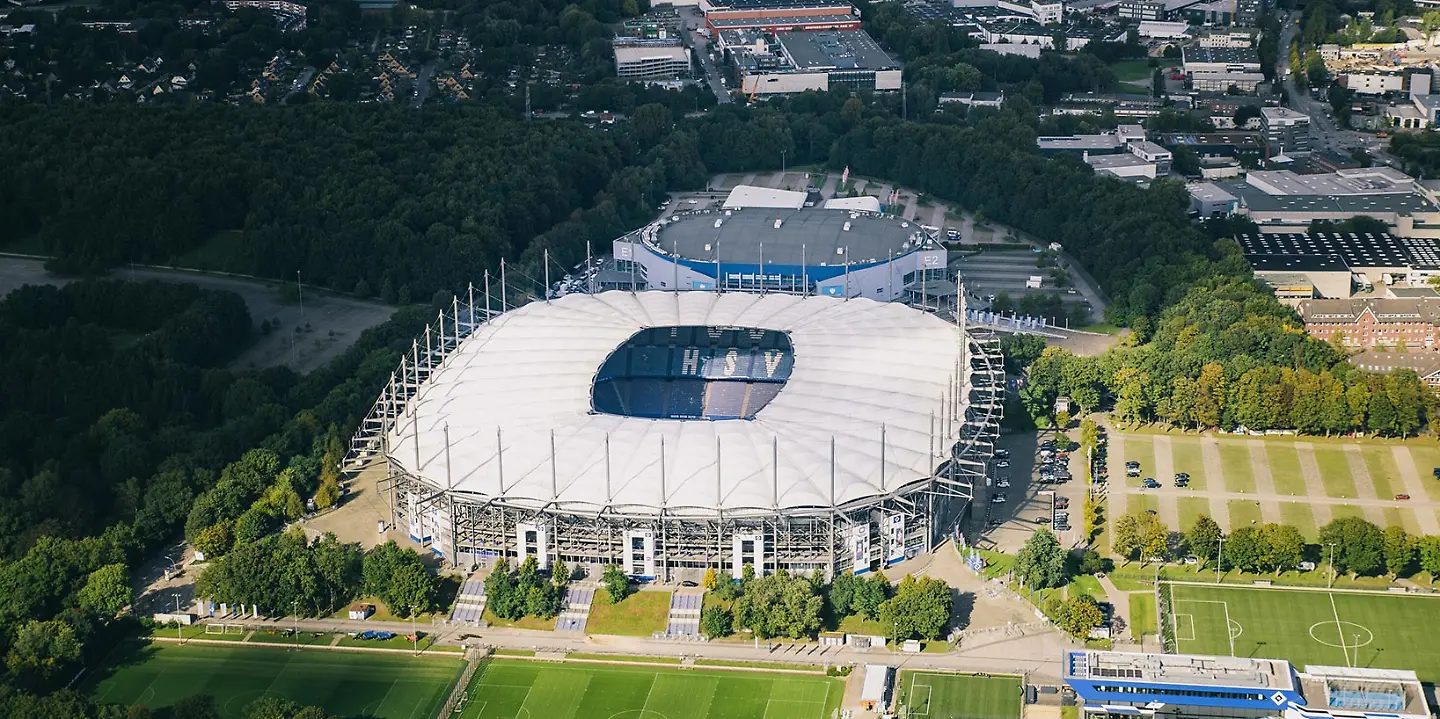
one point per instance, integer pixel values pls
(1164, 616)
(478, 658)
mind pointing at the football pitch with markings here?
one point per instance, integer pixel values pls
(349, 684)
(937, 695)
(1381, 631)
(518, 689)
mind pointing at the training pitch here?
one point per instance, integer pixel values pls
(351, 684)
(1383, 631)
(517, 689)
(960, 696)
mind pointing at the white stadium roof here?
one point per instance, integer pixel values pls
(751, 196)
(858, 365)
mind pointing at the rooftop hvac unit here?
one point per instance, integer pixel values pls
(847, 227)
(777, 223)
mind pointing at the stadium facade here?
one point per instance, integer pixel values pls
(670, 432)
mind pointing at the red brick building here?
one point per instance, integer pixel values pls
(1375, 322)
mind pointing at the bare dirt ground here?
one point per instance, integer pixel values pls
(334, 322)
(355, 520)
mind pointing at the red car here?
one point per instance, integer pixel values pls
(1402, 496)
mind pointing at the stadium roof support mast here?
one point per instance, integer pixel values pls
(775, 472)
(832, 507)
(546, 262)
(500, 461)
(882, 456)
(589, 271)
(760, 275)
(804, 275)
(675, 266)
(487, 294)
(847, 273)
(504, 302)
(665, 558)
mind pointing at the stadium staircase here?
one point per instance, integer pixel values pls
(469, 604)
(684, 619)
(576, 611)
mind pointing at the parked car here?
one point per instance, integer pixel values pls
(1002, 453)
(1002, 463)
(1042, 520)
(997, 499)
(1150, 483)
(1402, 496)
(1003, 484)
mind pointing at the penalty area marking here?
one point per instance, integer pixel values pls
(914, 699)
(1189, 622)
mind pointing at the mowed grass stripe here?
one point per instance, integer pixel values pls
(1138, 448)
(1243, 512)
(1299, 515)
(1190, 508)
(1185, 453)
(960, 695)
(1235, 465)
(1394, 631)
(1426, 458)
(343, 683)
(515, 689)
(1285, 468)
(1384, 473)
(1335, 472)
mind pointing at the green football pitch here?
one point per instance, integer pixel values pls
(517, 689)
(350, 684)
(1309, 627)
(960, 696)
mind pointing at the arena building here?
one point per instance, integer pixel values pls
(769, 241)
(670, 432)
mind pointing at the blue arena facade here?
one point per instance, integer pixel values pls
(1183, 685)
(816, 251)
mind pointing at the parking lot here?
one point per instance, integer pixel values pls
(993, 272)
(1039, 487)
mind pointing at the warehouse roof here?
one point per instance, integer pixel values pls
(1354, 249)
(812, 237)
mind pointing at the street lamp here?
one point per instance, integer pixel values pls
(1219, 557)
(1332, 565)
(295, 608)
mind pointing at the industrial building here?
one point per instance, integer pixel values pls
(1336, 262)
(1282, 199)
(786, 62)
(651, 59)
(1286, 131)
(780, 15)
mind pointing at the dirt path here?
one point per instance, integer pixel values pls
(1415, 487)
(1169, 505)
(1214, 479)
(1364, 486)
(1264, 483)
(1313, 483)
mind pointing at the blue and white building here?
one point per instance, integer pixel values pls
(1187, 685)
(767, 240)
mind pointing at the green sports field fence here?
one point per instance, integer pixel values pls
(1164, 599)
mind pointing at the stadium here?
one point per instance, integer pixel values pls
(670, 432)
(762, 239)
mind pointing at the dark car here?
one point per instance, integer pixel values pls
(688, 583)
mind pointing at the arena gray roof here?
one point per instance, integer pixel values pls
(838, 49)
(514, 400)
(817, 235)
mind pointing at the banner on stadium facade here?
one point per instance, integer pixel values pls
(895, 532)
(860, 548)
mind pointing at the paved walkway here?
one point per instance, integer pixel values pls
(1214, 478)
(1264, 483)
(1121, 601)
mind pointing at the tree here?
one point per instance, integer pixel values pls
(1359, 545)
(920, 607)
(328, 494)
(617, 585)
(1128, 539)
(869, 594)
(1399, 549)
(214, 540)
(1155, 538)
(42, 651)
(1040, 563)
(1428, 549)
(107, 590)
(710, 580)
(1204, 537)
(717, 621)
(195, 706)
(1285, 546)
(560, 573)
(1079, 615)
(411, 590)
(1245, 548)
(779, 604)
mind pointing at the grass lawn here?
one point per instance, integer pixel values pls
(1335, 472)
(525, 622)
(383, 613)
(1138, 448)
(856, 624)
(1129, 70)
(758, 665)
(623, 658)
(1235, 465)
(1087, 584)
(1383, 471)
(285, 636)
(515, 689)
(640, 614)
(1190, 508)
(1148, 499)
(1344, 510)
(1426, 457)
(343, 683)
(1242, 512)
(1285, 468)
(1299, 515)
(960, 695)
(1142, 614)
(1185, 452)
(997, 564)
(399, 641)
(1393, 632)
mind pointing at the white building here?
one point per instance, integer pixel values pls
(1048, 12)
(638, 60)
(1374, 81)
(1163, 30)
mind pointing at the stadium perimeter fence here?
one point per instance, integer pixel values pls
(1164, 602)
(476, 659)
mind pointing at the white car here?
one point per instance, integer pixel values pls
(1002, 463)
(692, 202)
(997, 499)
(1003, 484)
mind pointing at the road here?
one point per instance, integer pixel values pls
(1325, 134)
(422, 84)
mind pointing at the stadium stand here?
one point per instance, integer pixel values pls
(684, 619)
(470, 602)
(576, 610)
